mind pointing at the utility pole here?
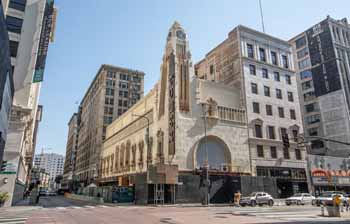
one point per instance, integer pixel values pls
(206, 162)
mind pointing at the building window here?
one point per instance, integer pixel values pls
(268, 110)
(286, 153)
(281, 112)
(258, 131)
(273, 152)
(125, 103)
(14, 24)
(302, 53)
(288, 80)
(271, 131)
(120, 103)
(262, 54)
(292, 114)
(254, 87)
(109, 92)
(298, 154)
(252, 69)
(313, 131)
(309, 96)
(295, 135)
(265, 73)
(300, 42)
(276, 76)
(274, 58)
(304, 63)
(211, 69)
(260, 151)
(305, 74)
(267, 91)
(290, 96)
(285, 61)
(256, 108)
(310, 108)
(278, 93)
(18, 4)
(306, 85)
(13, 48)
(250, 50)
(312, 119)
(317, 144)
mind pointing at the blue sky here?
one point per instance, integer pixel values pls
(132, 33)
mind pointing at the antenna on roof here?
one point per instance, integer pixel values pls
(262, 17)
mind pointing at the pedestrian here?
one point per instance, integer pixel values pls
(347, 203)
(237, 198)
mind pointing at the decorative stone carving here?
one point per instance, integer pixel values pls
(160, 146)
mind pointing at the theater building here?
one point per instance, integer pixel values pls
(183, 124)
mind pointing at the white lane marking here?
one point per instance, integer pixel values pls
(102, 206)
(61, 208)
(89, 206)
(75, 207)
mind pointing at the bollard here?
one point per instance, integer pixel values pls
(322, 210)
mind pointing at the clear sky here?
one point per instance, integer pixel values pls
(132, 33)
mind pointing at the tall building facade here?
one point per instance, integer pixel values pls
(322, 55)
(6, 83)
(112, 92)
(30, 25)
(262, 67)
(162, 144)
(52, 163)
(71, 151)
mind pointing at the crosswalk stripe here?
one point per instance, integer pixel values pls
(13, 220)
(89, 206)
(61, 208)
(75, 207)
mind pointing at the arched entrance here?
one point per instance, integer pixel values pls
(215, 149)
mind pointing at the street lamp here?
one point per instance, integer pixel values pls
(206, 162)
(147, 134)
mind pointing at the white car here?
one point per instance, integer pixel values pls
(257, 198)
(300, 199)
(327, 197)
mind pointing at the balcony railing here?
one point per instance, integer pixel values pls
(231, 114)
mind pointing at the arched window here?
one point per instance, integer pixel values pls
(215, 151)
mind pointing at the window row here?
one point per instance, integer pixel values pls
(271, 134)
(274, 154)
(265, 74)
(18, 4)
(267, 92)
(341, 35)
(269, 111)
(262, 56)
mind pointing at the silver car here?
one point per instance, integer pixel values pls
(257, 198)
(300, 199)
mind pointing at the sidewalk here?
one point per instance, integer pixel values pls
(22, 205)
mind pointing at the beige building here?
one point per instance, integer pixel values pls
(112, 92)
(71, 151)
(261, 67)
(180, 140)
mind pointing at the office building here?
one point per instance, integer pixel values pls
(261, 67)
(71, 152)
(6, 84)
(112, 92)
(52, 163)
(30, 25)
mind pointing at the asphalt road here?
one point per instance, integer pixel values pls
(56, 209)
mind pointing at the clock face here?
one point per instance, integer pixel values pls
(180, 34)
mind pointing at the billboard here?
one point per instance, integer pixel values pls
(327, 170)
(44, 41)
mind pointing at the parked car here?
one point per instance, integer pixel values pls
(257, 198)
(327, 197)
(300, 199)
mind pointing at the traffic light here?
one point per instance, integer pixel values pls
(3, 166)
(285, 140)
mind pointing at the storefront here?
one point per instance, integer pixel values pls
(329, 173)
(288, 180)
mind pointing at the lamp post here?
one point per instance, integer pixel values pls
(206, 162)
(147, 134)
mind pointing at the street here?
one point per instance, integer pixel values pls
(57, 209)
